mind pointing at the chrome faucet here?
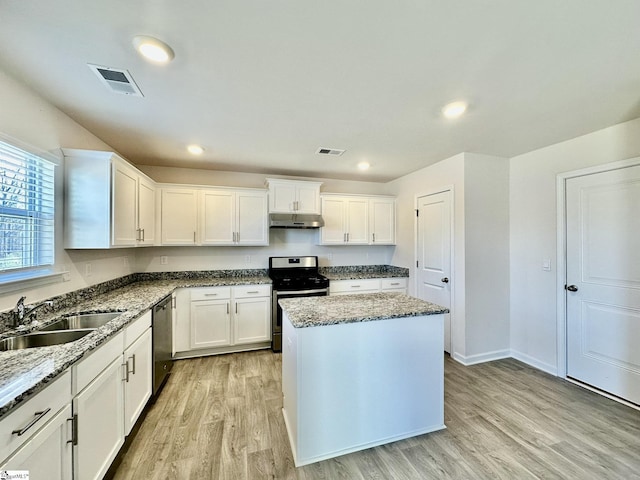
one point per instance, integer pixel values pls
(19, 311)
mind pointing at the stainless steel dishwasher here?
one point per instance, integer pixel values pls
(162, 335)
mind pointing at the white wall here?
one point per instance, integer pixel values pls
(534, 233)
(30, 119)
(480, 306)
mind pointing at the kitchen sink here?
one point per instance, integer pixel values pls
(43, 339)
(82, 320)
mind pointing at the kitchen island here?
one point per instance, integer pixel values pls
(360, 371)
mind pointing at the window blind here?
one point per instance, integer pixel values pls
(26, 210)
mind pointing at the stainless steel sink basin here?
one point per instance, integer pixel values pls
(82, 320)
(42, 339)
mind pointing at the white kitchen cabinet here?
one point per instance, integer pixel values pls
(100, 410)
(346, 220)
(210, 318)
(233, 217)
(357, 220)
(395, 284)
(108, 202)
(179, 215)
(34, 436)
(293, 196)
(222, 319)
(47, 455)
(138, 378)
(382, 220)
(368, 285)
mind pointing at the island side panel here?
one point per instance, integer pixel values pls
(289, 380)
(367, 383)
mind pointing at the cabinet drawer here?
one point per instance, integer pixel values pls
(246, 291)
(355, 286)
(90, 367)
(136, 328)
(53, 398)
(393, 283)
(210, 293)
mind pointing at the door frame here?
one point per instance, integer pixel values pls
(445, 188)
(561, 251)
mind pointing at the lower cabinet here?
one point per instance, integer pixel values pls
(213, 320)
(46, 455)
(138, 378)
(368, 285)
(100, 411)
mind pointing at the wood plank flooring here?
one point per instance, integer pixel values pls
(220, 418)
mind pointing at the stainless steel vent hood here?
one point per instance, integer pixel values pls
(295, 220)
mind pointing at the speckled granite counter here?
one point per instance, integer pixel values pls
(23, 373)
(318, 311)
(359, 272)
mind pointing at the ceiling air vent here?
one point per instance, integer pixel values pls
(330, 151)
(117, 80)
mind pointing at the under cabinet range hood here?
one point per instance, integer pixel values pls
(295, 220)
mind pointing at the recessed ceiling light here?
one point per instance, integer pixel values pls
(363, 165)
(454, 110)
(153, 49)
(195, 149)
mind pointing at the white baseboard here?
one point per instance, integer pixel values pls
(534, 362)
(481, 357)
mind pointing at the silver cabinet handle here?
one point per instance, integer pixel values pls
(37, 417)
(227, 308)
(396, 283)
(194, 237)
(236, 307)
(238, 237)
(210, 294)
(74, 429)
(142, 234)
(356, 286)
(254, 291)
(374, 237)
(133, 360)
(126, 371)
(347, 237)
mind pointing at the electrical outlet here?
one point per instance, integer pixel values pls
(88, 269)
(329, 256)
(247, 259)
(125, 262)
(164, 260)
(66, 277)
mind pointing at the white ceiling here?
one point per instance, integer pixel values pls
(262, 84)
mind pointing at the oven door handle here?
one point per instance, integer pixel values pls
(300, 292)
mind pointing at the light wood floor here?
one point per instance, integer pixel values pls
(220, 418)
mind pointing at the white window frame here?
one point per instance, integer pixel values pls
(44, 273)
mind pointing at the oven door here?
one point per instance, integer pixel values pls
(276, 312)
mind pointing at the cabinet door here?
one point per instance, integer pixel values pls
(357, 221)
(124, 206)
(179, 216)
(47, 455)
(251, 218)
(308, 198)
(146, 212)
(334, 215)
(137, 387)
(100, 423)
(383, 221)
(252, 320)
(282, 197)
(210, 323)
(217, 217)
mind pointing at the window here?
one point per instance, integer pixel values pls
(26, 211)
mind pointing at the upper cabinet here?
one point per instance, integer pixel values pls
(293, 196)
(357, 220)
(108, 202)
(213, 216)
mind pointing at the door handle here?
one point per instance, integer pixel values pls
(571, 288)
(444, 280)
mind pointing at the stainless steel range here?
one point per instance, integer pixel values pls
(293, 277)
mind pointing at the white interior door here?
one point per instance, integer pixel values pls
(603, 278)
(434, 254)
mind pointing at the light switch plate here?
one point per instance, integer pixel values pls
(546, 264)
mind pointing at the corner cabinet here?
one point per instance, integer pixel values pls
(293, 196)
(213, 216)
(211, 320)
(108, 202)
(358, 220)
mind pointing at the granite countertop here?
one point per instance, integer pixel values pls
(362, 272)
(318, 311)
(23, 373)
